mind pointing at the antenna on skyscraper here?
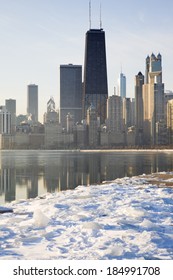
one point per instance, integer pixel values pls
(121, 68)
(100, 16)
(90, 14)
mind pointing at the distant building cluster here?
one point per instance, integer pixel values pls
(87, 117)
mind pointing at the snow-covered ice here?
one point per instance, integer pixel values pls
(128, 218)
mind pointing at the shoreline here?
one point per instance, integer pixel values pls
(91, 150)
(125, 150)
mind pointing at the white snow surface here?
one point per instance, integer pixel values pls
(127, 218)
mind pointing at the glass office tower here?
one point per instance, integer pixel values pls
(95, 88)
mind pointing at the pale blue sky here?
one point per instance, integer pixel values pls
(36, 36)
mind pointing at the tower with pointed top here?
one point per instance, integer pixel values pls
(153, 100)
(122, 85)
(95, 88)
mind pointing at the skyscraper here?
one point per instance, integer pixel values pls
(70, 92)
(92, 126)
(139, 81)
(51, 116)
(10, 105)
(95, 88)
(127, 113)
(32, 102)
(153, 98)
(170, 120)
(122, 85)
(115, 113)
(5, 121)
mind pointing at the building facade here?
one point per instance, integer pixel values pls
(32, 102)
(139, 81)
(51, 116)
(114, 113)
(127, 113)
(70, 92)
(5, 121)
(122, 85)
(170, 121)
(92, 124)
(10, 105)
(153, 98)
(95, 88)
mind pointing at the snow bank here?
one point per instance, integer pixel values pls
(129, 218)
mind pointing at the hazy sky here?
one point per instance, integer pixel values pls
(36, 36)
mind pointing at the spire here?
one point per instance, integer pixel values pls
(159, 56)
(121, 69)
(100, 16)
(89, 14)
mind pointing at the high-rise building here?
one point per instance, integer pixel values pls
(170, 120)
(95, 88)
(114, 113)
(51, 116)
(168, 96)
(5, 121)
(10, 105)
(133, 103)
(127, 113)
(139, 81)
(32, 102)
(92, 126)
(70, 92)
(153, 98)
(122, 85)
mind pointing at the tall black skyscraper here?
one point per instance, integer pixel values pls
(95, 88)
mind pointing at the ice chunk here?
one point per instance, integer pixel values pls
(146, 223)
(117, 250)
(168, 221)
(92, 226)
(40, 219)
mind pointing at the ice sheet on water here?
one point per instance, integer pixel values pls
(126, 218)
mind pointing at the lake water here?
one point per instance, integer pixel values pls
(27, 174)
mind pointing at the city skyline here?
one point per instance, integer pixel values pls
(38, 36)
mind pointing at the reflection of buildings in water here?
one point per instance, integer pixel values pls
(82, 170)
(8, 183)
(27, 178)
(112, 167)
(93, 169)
(7, 178)
(32, 187)
(129, 164)
(41, 189)
(18, 175)
(29, 187)
(60, 173)
(51, 176)
(29, 175)
(69, 171)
